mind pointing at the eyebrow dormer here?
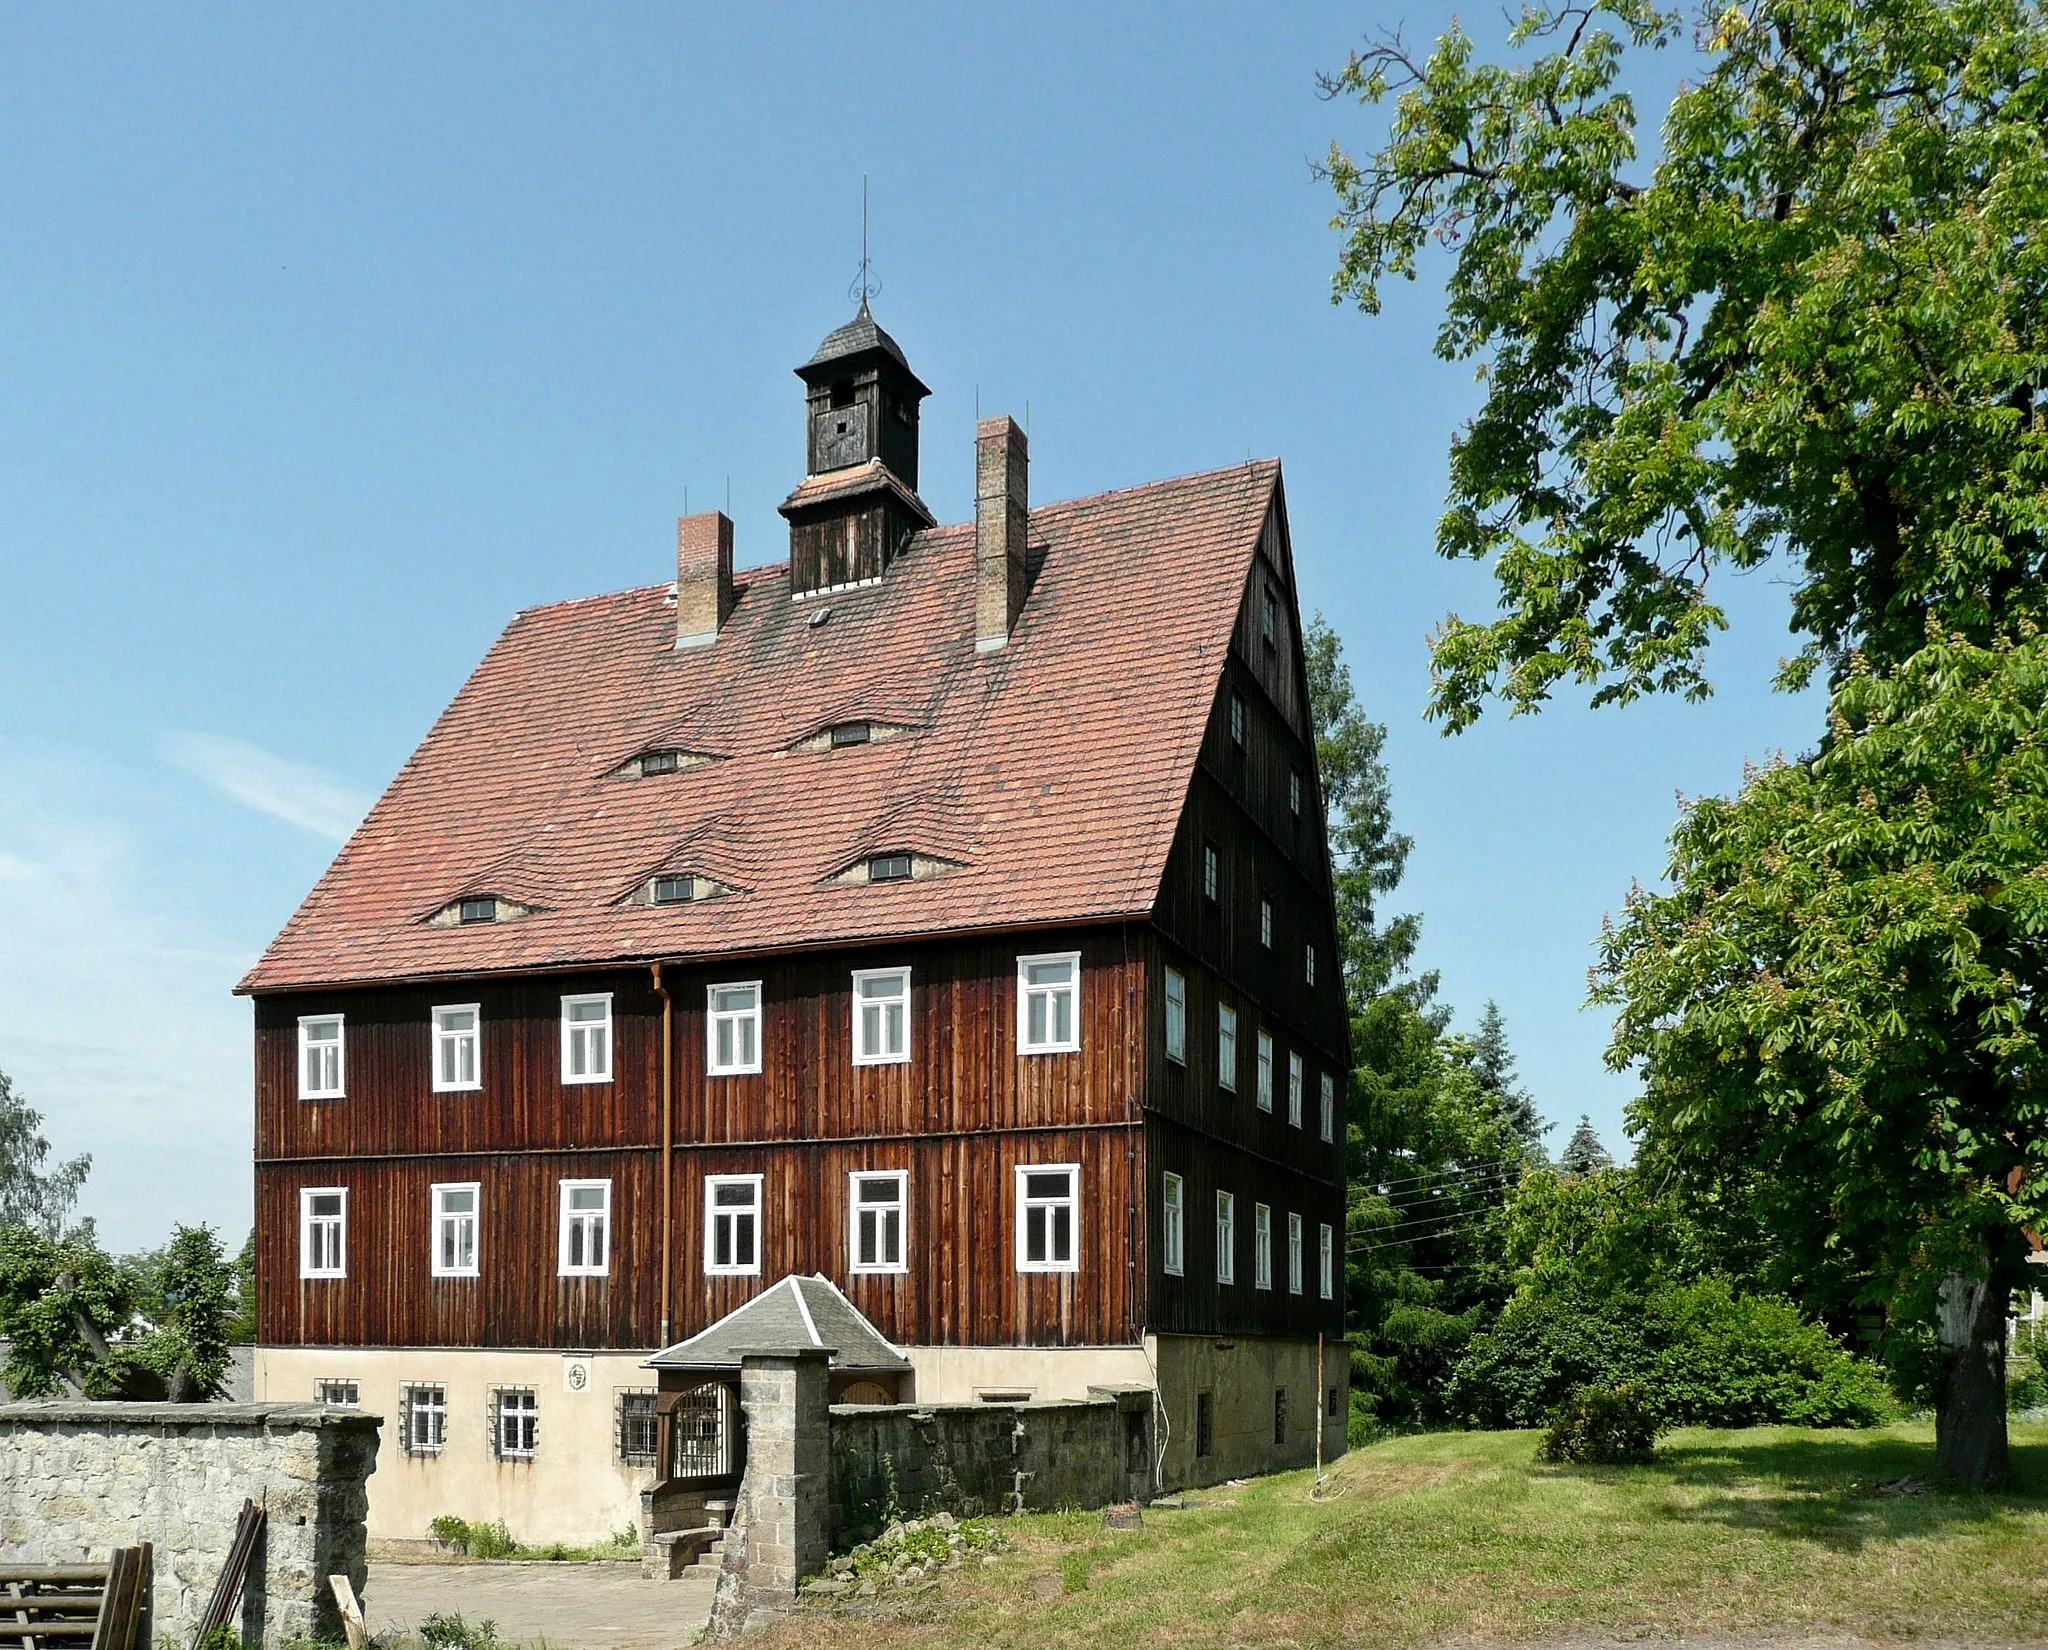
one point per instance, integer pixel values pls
(661, 759)
(892, 865)
(472, 909)
(855, 731)
(678, 888)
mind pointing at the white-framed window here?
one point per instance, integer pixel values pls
(732, 1225)
(1176, 1017)
(1049, 1003)
(584, 1248)
(1172, 1245)
(732, 1028)
(455, 1221)
(457, 1064)
(587, 1038)
(1262, 1246)
(1329, 1107)
(339, 1394)
(1226, 1238)
(1212, 871)
(878, 1204)
(1294, 793)
(1329, 1263)
(881, 1016)
(1048, 1217)
(1236, 719)
(1265, 1083)
(320, 1057)
(1226, 1046)
(515, 1433)
(425, 1410)
(1294, 1254)
(1308, 965)
(323, 1231)
(1294, 1084)
(1266, 923)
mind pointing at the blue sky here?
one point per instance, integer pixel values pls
(330, 337)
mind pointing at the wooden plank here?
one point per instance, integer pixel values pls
(127, 1598)
(227, 1588)
(351, 1611)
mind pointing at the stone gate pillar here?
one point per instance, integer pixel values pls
(779, 1532)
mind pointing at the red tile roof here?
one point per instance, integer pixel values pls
(1051, 772)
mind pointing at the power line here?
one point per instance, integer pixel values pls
(1486, 1166)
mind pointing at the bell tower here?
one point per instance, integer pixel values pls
(858, 504)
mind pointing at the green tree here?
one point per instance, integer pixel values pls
(30, 1195)
(1841, 998)
(1815, 330)
(1583, 1153)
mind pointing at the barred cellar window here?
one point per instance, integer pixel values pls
(638, 1426)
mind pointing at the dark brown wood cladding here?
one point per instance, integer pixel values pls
(1195, 1302)
(961, 1286)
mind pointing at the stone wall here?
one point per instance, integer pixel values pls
(778, 1533)
(970, 1459)
(79, 1479)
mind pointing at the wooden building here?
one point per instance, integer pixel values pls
(944, 911)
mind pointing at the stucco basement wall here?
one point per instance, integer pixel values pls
(979, 1458)
(79, 1479)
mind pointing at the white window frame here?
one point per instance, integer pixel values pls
(567, 1216)
(1329, 1107)
(1226, 1237)
(339, 1089)
(1294, 792)
(1297, 1080)
(528, 1412)
(445, 1039)
(712, 1215)
(1262, 1246)
(1173, 1224)
(1026, 991)
(435, 1410)
(1226, 1047)
(1212, 873)
(750, 1018)
(1237, 720)
(443, 1218)
(863, 1054)
(1265, 923)
(338, 1262)
(1308, 965)
(1294, 1253)
(855, 1208)
(1328, 1274)
(1264, 1089)
(1070, 1201)
(338, 1392)
(574, 1031)
(1176, 1016)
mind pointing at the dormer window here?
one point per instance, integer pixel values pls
(842, 392)
(677, 888)
(475, 908)
(861, 731)
(484, 908)
(889, 868)
(667, 759)
(852, 733)
(657, 762)
(672, 890)
(897, 865)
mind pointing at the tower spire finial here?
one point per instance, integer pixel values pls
(865, 286)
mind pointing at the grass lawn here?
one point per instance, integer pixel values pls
(1771, 1531)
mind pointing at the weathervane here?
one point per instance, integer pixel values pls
(864, 286)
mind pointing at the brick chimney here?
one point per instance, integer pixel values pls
(1001, 525)
(703, 578)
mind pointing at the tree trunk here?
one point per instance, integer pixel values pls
(1970, 1446)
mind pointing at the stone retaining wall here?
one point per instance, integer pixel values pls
(978, 1459)
(79, 1479)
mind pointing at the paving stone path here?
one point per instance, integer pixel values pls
(571, 1606)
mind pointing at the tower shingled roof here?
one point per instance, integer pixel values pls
(857, 337)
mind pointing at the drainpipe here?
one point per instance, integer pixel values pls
(668, 1130)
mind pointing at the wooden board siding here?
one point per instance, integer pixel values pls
(962, 1285)
(960, 1114)
(1195, 1303)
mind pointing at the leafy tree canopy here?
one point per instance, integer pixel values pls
(1815, 329)
(29, 1194)
(1842, 991)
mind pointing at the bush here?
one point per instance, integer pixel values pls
(1602, 1426)
(493, 1540)
(1701, 1354)
(451, 1632)
(451, 1531)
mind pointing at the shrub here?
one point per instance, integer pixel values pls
(451, 1531)
(1602, 1426)
(451, 1632)
(492, 1540)
(1701, 1354)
